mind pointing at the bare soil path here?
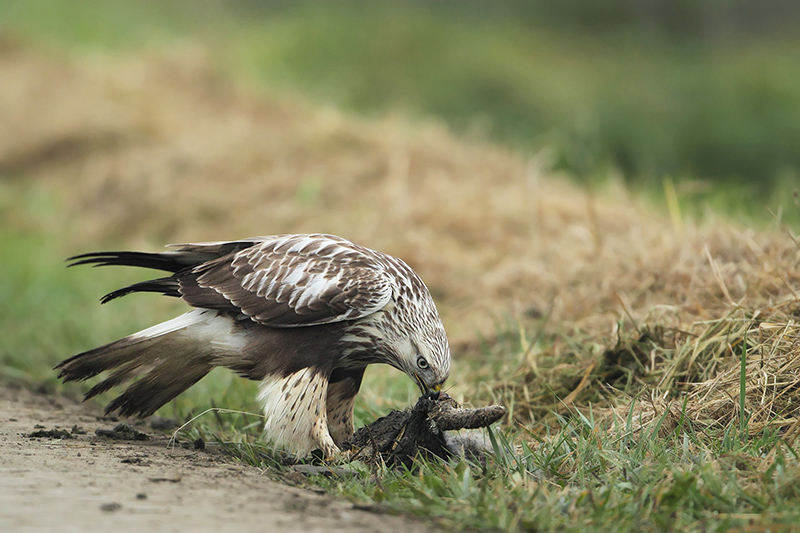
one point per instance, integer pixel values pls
(86, 483)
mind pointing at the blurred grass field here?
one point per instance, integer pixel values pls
(607, 220)
(706, 95)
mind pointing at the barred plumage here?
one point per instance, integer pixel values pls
(303, 314)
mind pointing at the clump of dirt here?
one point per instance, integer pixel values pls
(54, 433)
(122, 431)
(401, 436)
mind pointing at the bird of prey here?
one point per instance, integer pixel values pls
(302, 314)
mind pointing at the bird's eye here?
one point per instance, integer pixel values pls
(422, 363)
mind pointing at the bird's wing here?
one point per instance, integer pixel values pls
(291, 280)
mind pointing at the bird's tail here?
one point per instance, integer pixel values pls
(162, 361)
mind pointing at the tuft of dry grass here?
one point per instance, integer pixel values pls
(767, 387)
(711, 374)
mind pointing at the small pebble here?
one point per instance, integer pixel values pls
(111, 507)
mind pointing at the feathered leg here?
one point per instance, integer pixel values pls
(296, 413)
(342, 390)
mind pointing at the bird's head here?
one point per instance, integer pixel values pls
(425, 357)
(413, 333)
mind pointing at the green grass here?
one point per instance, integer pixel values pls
(622, 100)
(585, 477)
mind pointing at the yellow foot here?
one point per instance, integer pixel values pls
(341, 457)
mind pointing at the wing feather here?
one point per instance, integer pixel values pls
(292, 280)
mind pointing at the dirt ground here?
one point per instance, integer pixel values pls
(89, 483)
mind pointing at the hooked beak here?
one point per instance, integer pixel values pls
(424, 388)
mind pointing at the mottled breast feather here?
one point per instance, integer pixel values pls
(292, 280)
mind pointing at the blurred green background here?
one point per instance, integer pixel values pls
(704, 93)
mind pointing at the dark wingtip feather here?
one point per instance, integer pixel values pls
(93, 258)
(166, 286)
(127, 405)
(82, 366)
(168, 261)
(157, 387)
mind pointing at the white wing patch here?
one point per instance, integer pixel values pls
(203, 327)
(184, 321)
